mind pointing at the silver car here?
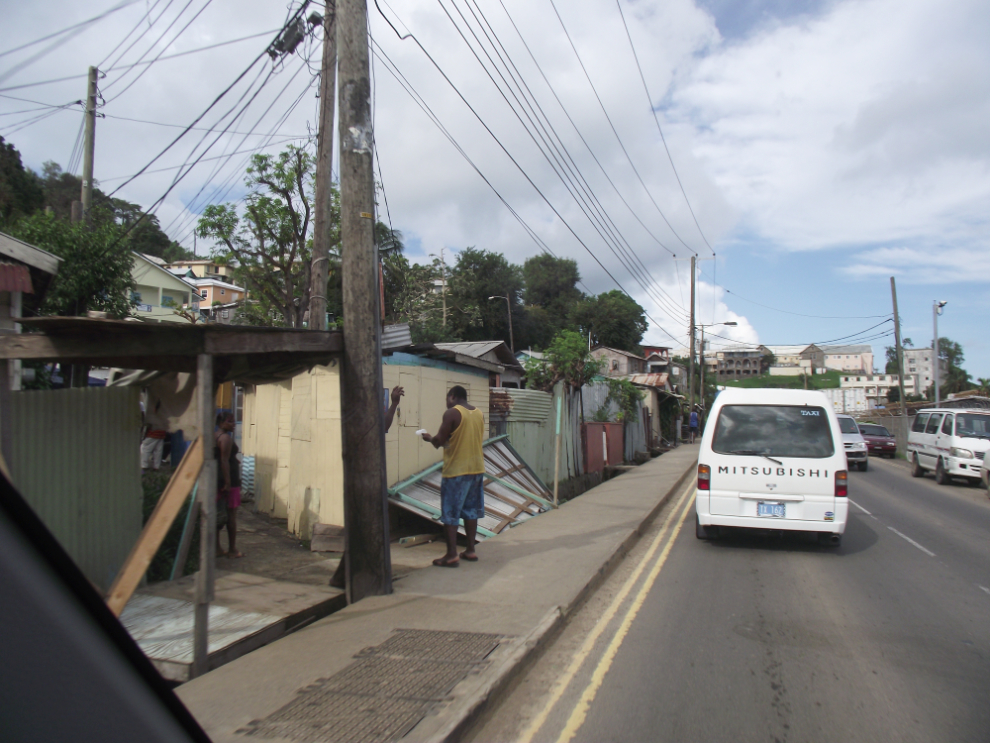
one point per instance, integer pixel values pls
(854, 443)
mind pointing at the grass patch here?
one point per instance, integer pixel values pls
(828, 380)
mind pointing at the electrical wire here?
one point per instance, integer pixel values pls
(656, 118)
(181, 31)
(614, 130)
(419, 100)
(25, 123)
(182, 126)
(194, 51)
(76, 28)
(43, 82)
(566, 168)
(147, 14)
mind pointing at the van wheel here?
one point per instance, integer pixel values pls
(916, 470)
(704, 532)
(941, 477)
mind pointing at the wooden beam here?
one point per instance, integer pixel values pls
(251, 341)
(205, 402)
(154, 532)
(90, 344)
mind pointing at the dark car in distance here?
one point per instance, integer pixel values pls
(879, 441)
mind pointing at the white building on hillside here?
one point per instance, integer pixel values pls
(876, 386)
(918, 362)
(858, 358)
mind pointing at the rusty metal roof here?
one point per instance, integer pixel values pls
(649, 380)
(513, 492)
(15, 278)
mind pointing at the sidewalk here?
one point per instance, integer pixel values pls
(422, 662)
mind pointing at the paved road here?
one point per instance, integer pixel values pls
(770, 638)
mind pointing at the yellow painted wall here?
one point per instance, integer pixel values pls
(293, 430)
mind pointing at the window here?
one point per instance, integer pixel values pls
(848, 425)
(615, 364)
(221, 291)
(974, 425)
(947, 425)
(933, 423)
(775, 430)
(919, 422)
(203, 294)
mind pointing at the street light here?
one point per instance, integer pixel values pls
(508, 307)
(936, 311)
(731, 324)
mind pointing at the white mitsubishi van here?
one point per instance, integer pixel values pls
(951, 442)
(772, 459)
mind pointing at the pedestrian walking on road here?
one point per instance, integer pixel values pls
(228, 483)
(462, 493)
(693, 424)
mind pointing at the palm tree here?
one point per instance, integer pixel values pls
(984, 383)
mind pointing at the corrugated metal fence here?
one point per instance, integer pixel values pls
(529, 417)
(595, 397)
(76, 460)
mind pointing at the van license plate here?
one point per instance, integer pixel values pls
(771, 510)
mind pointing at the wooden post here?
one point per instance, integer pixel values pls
(556, 460)
(169, 504)
(89, 145)
(369, 569)
(324, 159)
(207, 516)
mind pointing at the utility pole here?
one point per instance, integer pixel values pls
(89, 144)
(936, 311)
(691, 365)
(443, 286)
(900, 353)
(322, 221)
(369, 568)
(701, 374)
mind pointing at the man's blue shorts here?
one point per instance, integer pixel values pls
(462, 498)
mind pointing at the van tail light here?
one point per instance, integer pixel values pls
(704, 477)
(841, 484)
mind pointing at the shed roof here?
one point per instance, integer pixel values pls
(649, 380)
(11, 247)
(480, 349)
(244, 354)
(618, 351)
(856, 349)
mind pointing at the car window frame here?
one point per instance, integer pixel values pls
(950, 419)
(935, 417)
(923, 419)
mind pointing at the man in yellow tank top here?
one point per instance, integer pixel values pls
(462, 487)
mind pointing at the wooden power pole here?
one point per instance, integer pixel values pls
(900, 353)
(691, 364)
(322, 222)
(89, 144)
(369, 568)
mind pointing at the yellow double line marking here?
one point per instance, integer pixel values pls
(580, 711)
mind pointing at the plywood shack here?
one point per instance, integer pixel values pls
(293, 429)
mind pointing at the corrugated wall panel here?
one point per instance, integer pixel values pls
(76, 460)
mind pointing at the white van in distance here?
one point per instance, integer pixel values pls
(772, 459)
(949, 442)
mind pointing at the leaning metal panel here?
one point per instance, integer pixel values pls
(449, 647)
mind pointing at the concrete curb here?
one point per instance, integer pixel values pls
(527, 650)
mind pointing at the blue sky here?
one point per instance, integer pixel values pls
(822, 146)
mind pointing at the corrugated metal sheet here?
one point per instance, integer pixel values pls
(475, 350)
(396, 336)
(529, 418)
(76, 459)
(513, 492)
(649, 380)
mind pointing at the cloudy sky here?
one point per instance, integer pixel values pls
(813, 149)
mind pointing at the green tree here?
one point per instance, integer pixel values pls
(20, 192)
(612, 319)
(890, 353)
(478, 275)
(567, 358)
(956, 378)
(95, 273)
(270, 238)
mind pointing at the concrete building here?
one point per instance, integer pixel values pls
(213, 291)
(806, 358)
(619, 363)
(876, 386)
(919, 363)
(734, 362)
(160, 294)
(203, 269)
(856, 358)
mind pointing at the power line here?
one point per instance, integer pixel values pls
(598, 222)
(77, 28)
(138, 25)
(411, 90)
(629, 259)
(663, 139)
(181, 31)
(43, 82)
(614, 130)
(194, 51)
(182, 126)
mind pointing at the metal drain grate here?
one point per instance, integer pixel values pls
(384, 694)
(448, 647)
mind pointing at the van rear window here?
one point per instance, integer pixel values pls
(774, 430)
